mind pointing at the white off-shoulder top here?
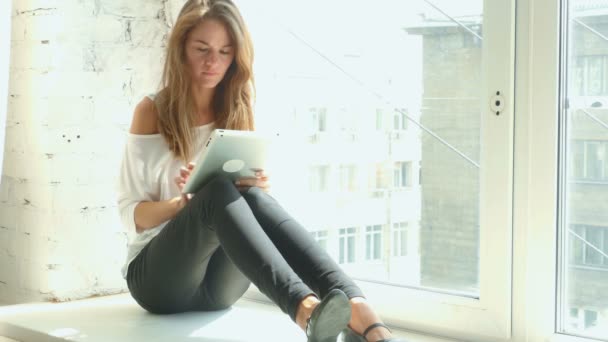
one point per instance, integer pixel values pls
(147, 173)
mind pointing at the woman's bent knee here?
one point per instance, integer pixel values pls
(218, 183)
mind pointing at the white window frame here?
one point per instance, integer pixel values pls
(5, 52)
(535, 217)
(522, 307)
(487, 318)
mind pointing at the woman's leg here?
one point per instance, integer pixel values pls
(222, 286)
(311, 262)
(164, 276)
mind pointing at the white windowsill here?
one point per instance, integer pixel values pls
(118, 318)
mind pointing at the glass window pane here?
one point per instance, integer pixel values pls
(369, 100)
(584, 272)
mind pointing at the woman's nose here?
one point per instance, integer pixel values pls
(211, 58)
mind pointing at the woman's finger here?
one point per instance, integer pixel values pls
(244, 181)
(249, 182)
(184, 172)
(260, 173)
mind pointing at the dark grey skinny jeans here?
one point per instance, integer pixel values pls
(206, 256)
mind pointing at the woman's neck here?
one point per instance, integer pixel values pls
(203, 104)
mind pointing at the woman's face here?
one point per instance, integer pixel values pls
(209, 52)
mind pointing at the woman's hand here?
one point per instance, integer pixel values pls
(260, 179)
(184, 173)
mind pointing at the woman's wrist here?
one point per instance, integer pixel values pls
(176, 205)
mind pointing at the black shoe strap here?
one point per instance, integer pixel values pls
(373, 326)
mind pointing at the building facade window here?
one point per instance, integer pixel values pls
(379, 119)
(402, 175)
(320, 237)
(373, 242)
(582, 319)
(400, 121)
(400, 239)
(347, 248)
(348, 178)
(589, 247)
(590, 75)
(319, 178)
(318, 119)
(590, 161)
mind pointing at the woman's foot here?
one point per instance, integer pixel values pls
(324, 321)
(363, 316)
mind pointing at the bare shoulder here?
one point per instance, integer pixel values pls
(145, 118)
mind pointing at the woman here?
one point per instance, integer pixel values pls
(201, 251)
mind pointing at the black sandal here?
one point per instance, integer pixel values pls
(349, 335)
(329, 318)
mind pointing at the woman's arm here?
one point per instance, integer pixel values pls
(151, 214)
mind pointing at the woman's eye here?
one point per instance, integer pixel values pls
(225, 52)
(203, 50)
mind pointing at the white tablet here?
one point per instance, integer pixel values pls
(231, 153)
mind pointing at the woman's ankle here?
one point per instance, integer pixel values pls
(378, 333)
(305, 308)
(364, 316)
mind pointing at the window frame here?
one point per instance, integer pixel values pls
(5, 53)
(537, 183)
(454, 314)
(531, 294)
(449, 314)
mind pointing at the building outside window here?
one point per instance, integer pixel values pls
(319, 178)
(589, 246)
(400, 239)
(402, 175)
(400, 121)
(319, 119)
(373, 242)
(348, 178)
(347, 245)
(321, 237)
(590, 75)
(590, 160)
(379, 119)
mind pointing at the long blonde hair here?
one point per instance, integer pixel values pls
(232, 102)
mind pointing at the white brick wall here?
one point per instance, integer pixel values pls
(77, 69)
